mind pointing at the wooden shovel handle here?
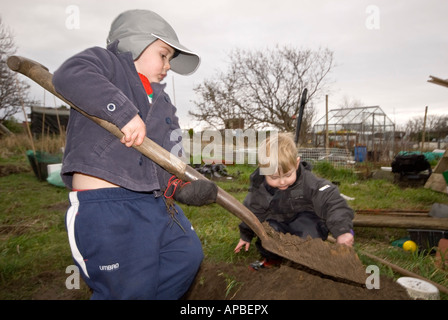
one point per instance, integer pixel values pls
(40, 74)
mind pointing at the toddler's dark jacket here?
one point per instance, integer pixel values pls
(309, 193)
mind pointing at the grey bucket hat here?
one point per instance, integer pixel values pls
(137, 29)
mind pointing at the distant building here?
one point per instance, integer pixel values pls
(234, 123)
(46, 120)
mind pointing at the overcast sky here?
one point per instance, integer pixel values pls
(385, 50)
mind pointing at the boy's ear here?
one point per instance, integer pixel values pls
(298, 161)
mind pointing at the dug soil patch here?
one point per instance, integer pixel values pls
(287, 282)
(229, 281)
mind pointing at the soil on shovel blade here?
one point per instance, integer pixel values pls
(332, 260)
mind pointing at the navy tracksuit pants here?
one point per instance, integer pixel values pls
(128, 246)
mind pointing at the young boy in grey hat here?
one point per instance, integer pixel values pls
(124, 239)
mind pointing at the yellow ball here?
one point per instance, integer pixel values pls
(409, 246)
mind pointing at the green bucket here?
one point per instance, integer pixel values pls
(39, 160)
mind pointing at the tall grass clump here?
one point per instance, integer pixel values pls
(326, 170)
(14, 146)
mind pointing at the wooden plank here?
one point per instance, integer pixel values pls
(421, 213)
(405, 222)
(439, 81)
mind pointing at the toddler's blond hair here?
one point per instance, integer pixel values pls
(277, 152)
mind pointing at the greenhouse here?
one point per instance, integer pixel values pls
(367, 132)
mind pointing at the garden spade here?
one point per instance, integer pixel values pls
(327, 259)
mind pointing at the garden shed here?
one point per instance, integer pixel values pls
(49, 120)
(365, 131)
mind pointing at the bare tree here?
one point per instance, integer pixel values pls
(264, 88)
(12, 90)
(436, 127)
(348, 102)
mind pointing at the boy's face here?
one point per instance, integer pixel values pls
(154, 62)
(283, 181)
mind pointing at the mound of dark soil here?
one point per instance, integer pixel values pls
(287, 282)
(225, 281)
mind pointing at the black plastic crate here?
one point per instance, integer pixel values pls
(427, 240)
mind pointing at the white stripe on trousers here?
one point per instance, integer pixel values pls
(72, 212)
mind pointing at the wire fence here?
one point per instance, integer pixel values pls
(340, 158)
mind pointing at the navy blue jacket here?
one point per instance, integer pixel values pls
(104, 83)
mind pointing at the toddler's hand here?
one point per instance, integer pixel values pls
(346, 238)
(241, 244)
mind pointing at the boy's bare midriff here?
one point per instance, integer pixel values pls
(83, 182)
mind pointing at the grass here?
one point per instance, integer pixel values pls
(32, 232)
(418, 262)
(216, 227)
(382, 194)
(34, 251)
